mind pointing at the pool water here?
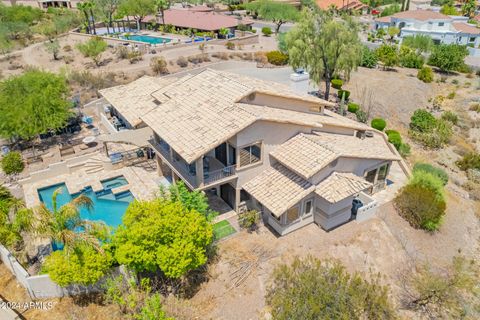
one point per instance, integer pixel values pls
(107, 207)
(147, 39)
(114, 182)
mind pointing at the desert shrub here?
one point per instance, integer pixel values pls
(230, 45)
(337, 83)
(451, 95)
(404, 150)
(343, 93)
(378, 123)
(421, 202)
(67, 59)
(422, 121)
(12, 163)
(426, 167)
(369, 58)
(455, 81)
(182, 62)
(475, 107)
(450, 117)
(361, 116)
(159, 65)
(277, 58)
(121, 52)
(267, 31)
(470, 160)
(134, 56)
(409, 58)
(353, 107)
(425, 74)
(394, 138)
(249, 220)
(67, 48)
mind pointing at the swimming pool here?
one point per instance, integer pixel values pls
(147, 39)
(107, 207)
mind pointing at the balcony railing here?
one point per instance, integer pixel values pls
(183, 169)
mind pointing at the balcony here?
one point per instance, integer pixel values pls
(214, 171)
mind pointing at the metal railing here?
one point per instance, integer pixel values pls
(210, 177)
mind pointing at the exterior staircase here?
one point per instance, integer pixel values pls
(95, 164)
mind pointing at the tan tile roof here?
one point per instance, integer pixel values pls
(278, 189)
(303, 155)
(199, 112)
(352, 147)
(134, 99)
(466, 28)
(421, 15)
(340, 185)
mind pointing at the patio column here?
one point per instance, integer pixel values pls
(199, 172)
(159, 166)
(237, 199)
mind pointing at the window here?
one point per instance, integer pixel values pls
(292, 214)
(244, 196)
(382, 172)
(472, 39)
(441, 24)
(307, 208)
(370, 176)
(250, 154)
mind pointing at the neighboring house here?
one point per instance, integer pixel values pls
(260, 145)
(355, 5)
(441, 28)
(44, 4)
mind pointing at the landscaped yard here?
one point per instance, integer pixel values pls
(222, 229)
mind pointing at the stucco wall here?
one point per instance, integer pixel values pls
(262, 99)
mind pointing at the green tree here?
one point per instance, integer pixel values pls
(388, 55)
(191, 200)
(93, 48)
(108, 9)
(82, 265)
(139, 9)
(468, 8)
(33, 103)
(422, 201)
(390, 10)
(409, 58)
(312, 289)
(449, 10)
(87, 8)
(275, 11)
(448, 57)
(420, 43)
(369, 58)
(15, 219)
(162, 5)
(62, 224)
(162, 235)
(324, 47)
(392, 32)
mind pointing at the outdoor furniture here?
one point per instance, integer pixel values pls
(87, 120)
(116, 157)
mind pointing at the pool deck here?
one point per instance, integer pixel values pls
(142, 184)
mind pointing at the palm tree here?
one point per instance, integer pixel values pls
(83, 6)
(64, 225)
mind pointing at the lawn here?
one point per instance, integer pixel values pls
(222, 229)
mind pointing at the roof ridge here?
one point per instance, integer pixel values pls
(308, 136)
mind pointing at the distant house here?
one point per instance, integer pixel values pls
(441, 28)
(342, 5)
(202, 20)
(259, 145)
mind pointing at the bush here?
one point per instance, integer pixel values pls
(266, 31)
(159, 65)
(421, 202)
(121, 52)
(343, 93)
(353, 107)
(451, 95)
(451, 117)
(230, 45)
(394, 138)
(426, 167)
(134, 56)
(425, 74)
(369, 58)
(378, 123)
(469, 161)
(12, 163)
(410, 59)
(404, 150)
(182, 62)
(277, 58)
(337, 83)
(249, 220)
(422, 121)
(361, 116)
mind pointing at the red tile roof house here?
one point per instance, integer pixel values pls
(341, 4)
(200, 20)
(441, 28)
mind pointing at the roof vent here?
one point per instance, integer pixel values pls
(369, 134)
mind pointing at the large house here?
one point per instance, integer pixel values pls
(259, 145)
(441, 28)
